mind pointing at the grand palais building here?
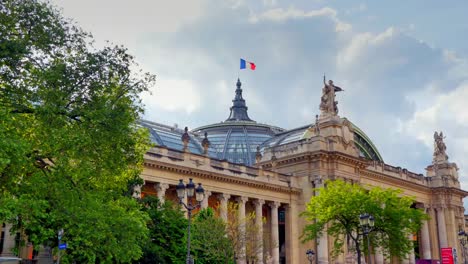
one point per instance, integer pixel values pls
(272, 171)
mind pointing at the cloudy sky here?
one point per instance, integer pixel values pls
(403, 64)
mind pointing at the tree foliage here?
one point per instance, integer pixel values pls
(168, 227)
(210, 243)
(249, 238)
(69, 143)
(338, 206)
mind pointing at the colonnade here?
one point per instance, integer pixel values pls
(223, 201)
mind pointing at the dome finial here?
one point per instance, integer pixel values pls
(238, 108)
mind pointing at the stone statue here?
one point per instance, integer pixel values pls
(328, 105)
(439, 148)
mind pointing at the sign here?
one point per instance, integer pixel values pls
(63, 246)
(447, 256)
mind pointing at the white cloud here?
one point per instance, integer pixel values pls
(449, 114)
(360, 44)
(126, 22)
(281, 15)
(357, 9)
(173, 96)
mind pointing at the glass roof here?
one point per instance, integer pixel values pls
(170, 137)
(364, 144)
(237, 141)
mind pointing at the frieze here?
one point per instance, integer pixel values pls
(216, 164)
(174, 155)
(226, 178)
(392, 169)
(234, 167)
(155, 155)
(251, 171)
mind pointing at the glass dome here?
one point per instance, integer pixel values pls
(237, 139)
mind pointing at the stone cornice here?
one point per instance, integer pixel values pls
(450, 190)
(219, 177)
(404, 184)
(318, 155)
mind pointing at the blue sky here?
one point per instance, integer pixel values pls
(403, 64)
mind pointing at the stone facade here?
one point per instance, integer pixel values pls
(283, 179)
(281, 182)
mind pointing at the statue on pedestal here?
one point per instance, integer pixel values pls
(439, 148)
(328, 105)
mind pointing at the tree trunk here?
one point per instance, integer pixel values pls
(358, 250)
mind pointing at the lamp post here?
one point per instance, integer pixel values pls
(310, 255)
(59, 238)
(190, 190)
(367, 221)
(462, 237)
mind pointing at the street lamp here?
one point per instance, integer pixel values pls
(190, 190)
(310, 255)
(59, 237)
(367, 221)
(462, 236)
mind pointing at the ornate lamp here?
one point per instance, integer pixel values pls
(180, 188)
(310, 255)
(190, 190)
(199, 193)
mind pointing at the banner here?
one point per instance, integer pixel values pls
(447, 256)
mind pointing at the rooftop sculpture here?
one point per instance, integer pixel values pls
(328, 105)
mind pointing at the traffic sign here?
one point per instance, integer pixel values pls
(62, 246)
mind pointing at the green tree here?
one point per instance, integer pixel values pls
(69, 143)
(249, 238)
(338, 206)
(210, 242)
(168, 227)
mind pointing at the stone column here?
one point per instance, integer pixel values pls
(8, 242)
(259, 223)
(274, 232)
(223, 204)
(379, 257)
(452, 229)
(425, 241)
(161, 189)
(293, 244)
(137, 191)
(241, 254)
(204, 203)
(411, 257)
(442, 228)
(433, 233)
(322, 247)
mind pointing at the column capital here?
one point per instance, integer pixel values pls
(242, 199)
(274, 205)
(224, 196)
(208, 193)
(161, 186)
(258, 202)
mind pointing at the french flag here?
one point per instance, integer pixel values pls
(247, 64)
